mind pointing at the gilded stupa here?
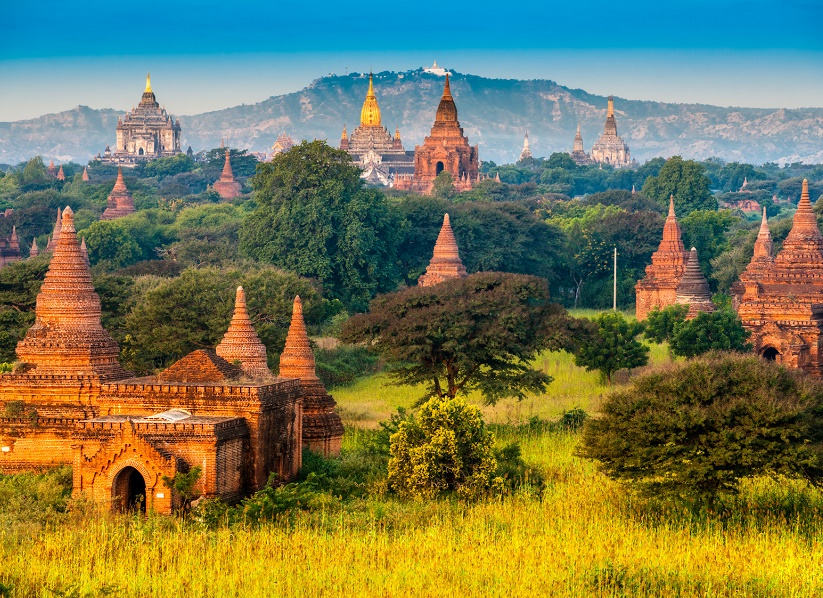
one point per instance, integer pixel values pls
(445, 262)
(322, 427)
(372, 147)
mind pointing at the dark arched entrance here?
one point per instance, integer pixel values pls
(140, 152)
(438, 168)
(770, 353)
(129, 491)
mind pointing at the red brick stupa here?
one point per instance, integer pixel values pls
(227, 187)
(120, 202)
(445, 262)
(86, 173)
(693, 289)
(781, 301)
(445, 149)
(67, 338)
(61, 176)
(659, 288)
(241, 345)
(322, 428)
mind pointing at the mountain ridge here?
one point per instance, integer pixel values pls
(495, 113)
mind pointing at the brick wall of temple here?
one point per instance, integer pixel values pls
(29, 444)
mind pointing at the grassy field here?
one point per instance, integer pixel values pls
(580, 536)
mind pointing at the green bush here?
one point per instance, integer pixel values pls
(447, 449)
(344, 364)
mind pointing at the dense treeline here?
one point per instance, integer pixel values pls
(306, 224)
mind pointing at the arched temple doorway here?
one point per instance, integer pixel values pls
(129, 491)
(140, 152)
(438, 168)
(770, 353)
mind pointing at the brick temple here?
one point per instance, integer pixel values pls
(10, 248)
(227, 186)
(445, 262)
(659, 287)
(780, 299)
(68, 401)
(693, 288)
(445, 149)
(119, 202)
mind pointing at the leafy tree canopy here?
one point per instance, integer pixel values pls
(614, 346)
(476, 333)
(720, 330)
(660, 323)
(686, 181)
(693, 430)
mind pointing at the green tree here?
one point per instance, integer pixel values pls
(448, 449)
(694, 430)
(476, 333)
(614, 347)
(19, 284)
(315, 218)
(661, 323)
(720, 330)
(109, 243)
(686, 180)
(443, 187)
(183, 483)
(34, 174)
(706, 231)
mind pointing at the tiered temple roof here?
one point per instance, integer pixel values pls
(526, 152)
(780, 300)
(610, 148)
(445, 149)
(227, 187)
(241, 343)
(659, 287)
(445, 262)
(693, 289)
(120, 202)
(322, 427)
(67, 316)
(578, 154)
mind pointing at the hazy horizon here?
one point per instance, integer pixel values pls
(756, 54)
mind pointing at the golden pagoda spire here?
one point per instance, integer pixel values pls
(370, 114)
(148, 83)
(610, 112)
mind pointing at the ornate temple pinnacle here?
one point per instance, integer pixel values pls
(370, 114)
(148, 83)
(241, 343)
(445, 262)
(610, 112)
(297, 360)
(671, 206)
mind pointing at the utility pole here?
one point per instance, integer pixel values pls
(614, 304)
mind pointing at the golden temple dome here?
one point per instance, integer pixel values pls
(370, 115)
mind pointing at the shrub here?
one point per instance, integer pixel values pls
(614, 346)
(344, 364)
(720, 330)
(447, 449)
(694, 430)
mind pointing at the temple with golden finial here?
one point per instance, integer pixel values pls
(579, 155)
(372, 148)
(610, 148)
(68, 401)
(780, 298)
(446, 149)
(119, 202)
(227, 186)
(146, 132)
(445, 262)
(658, 289)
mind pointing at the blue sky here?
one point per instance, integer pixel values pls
(206, 55)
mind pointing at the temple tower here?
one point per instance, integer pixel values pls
(55, 235)
(241, 343)
(445, 262)
(227, 187)
(659, 287)
(86, 173)
(61, 176)
(67, 338)
(34, 251)
(322, 428)
(578, 154)
(693, 288)
(780, 300)
(120, 202)
(445, 149)
(610, 148)
(526, 152)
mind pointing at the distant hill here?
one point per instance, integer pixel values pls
(494, 113)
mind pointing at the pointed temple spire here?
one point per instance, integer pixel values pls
(370, 114)
(693, 289)
(52, 170)
(634, 191)
(55, 236)
(803, 248)
(297, 360)
(61, 176)
(34, 251)
(659, 287)
(120, 202)
(497, 177)
(67, 337)
(148, 84)
(241, 343)
(14, 241)
(526, 152)
(445, 262)
(764, 246)
(86, 173)
(84, 251)
(446, 110)
(226, 186)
